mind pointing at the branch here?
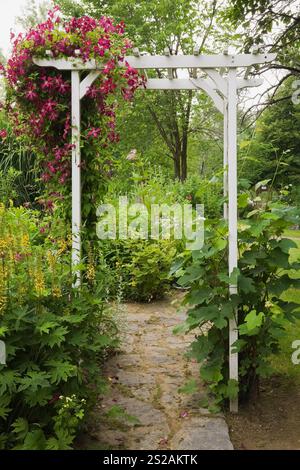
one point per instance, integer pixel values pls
(270, 101)
(161, 129)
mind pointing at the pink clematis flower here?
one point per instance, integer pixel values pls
(94, 132)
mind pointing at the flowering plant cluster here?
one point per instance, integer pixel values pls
(39, 99)
(55, 337)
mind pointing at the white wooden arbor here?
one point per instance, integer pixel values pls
(220, 80)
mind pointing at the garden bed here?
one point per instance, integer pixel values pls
(272, 422)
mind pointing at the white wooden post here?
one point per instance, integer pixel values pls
(76, 176)
(225, 158)
(232, 217)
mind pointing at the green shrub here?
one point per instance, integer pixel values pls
(55, 338)
(18, 169)
(8, 186)
(141, 267)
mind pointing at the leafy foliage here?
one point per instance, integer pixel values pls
(55, 338)
(164, 118)
(265, 272)
(141, 267)
(274, 150)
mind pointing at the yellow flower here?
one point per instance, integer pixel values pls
(3, 302)
(63, 246)
(39, 282)
(22, 292)
(56, 291)
(3, 287)
(51, 258)
(91, 270)
(25, 243)
(3, 243)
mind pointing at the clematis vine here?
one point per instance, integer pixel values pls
(39, 99)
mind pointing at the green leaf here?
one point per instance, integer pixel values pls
(4, 406)
(278, 258)
(232, 279)
(243, 200)
(200, 295)
(20, 427)
(75, 319)
(182, 328)
(253, 322)
(60, 371)
(56, 337)
(280, 285)
(262, 183)
(286, 244)
(232, 389)
(35, 440)
(46, 327)
(191, 274)
(246, 284)
(211, 373)
(41, 397)
(176, 265)
(62, 441)
(8, 381)
(238, 345)
(201, 348)
(3, 331)
(33, 381)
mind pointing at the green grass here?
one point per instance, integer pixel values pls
(282, 363)
(292, 233)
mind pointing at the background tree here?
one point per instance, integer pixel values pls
(176, 25)
(274, 24)
(273, 150)
(33, 13)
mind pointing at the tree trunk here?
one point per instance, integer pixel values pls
(185, 135)
(183, 158)
(177, 169)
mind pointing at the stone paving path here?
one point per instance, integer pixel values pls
(145, 377)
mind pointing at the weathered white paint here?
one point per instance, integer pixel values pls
(76, 175)
(232, 217)
(2, 352)
(221, 83)
(194, 83)
(225, 158)
(165, 62)
(198, 83)
(88, 81)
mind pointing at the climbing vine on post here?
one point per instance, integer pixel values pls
(39, 100)
(265, 271)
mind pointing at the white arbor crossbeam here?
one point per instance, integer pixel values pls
(165, 62)
(221, 84)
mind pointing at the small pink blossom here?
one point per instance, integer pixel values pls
(94, 132)
(18, 257)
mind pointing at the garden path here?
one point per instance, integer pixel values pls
(145, 377)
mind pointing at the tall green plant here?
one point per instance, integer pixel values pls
(55, 337)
